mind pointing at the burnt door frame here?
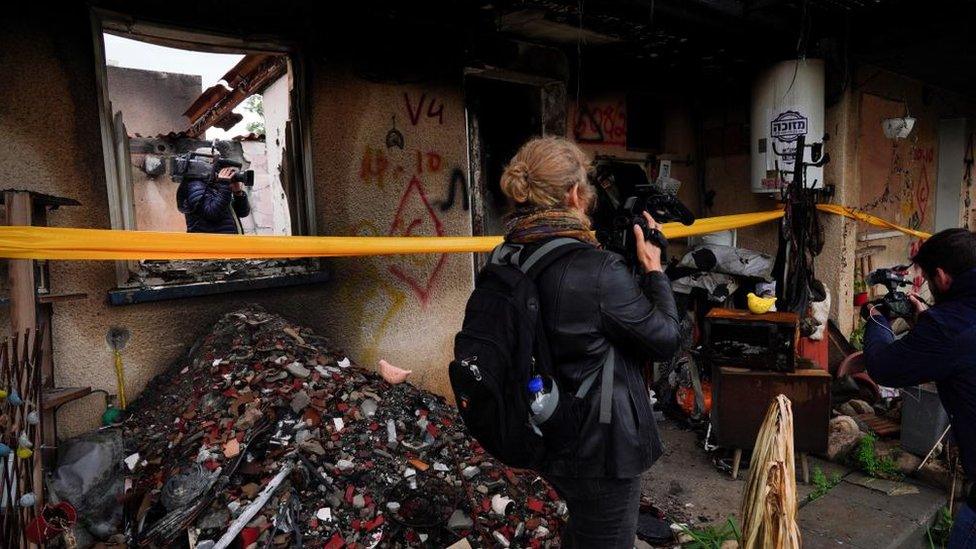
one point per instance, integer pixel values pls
(552, 104)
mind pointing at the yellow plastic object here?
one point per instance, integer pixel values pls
(19, 242)
(759, 305)
(120, 379)
(24, 453)
(65, 243)
(3, 394)
(858, 215)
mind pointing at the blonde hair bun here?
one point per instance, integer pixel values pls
(515, 181)
(544, 170)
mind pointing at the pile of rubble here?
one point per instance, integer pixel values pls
(266, 437)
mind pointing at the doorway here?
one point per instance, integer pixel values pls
(502, 115)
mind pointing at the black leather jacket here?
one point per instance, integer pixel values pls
(589, 301)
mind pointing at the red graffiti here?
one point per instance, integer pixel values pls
(918, 279)
(374, 166)
(414, 215)
(925, 155)
(435, 108)
(433, 162)
(922, 195)
(601, 123)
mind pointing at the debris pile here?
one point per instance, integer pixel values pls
(265, 435)
(159, 272)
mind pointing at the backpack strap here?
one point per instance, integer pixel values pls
(508, 253)
(606, 385)
(505, 253)
(544, 250)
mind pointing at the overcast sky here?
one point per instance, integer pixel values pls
(123, 52)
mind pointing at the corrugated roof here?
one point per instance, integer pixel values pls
(250, 75)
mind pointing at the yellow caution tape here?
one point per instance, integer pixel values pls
(859, 215)
(86, 244)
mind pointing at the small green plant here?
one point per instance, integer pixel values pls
(711, 537)
(938, 532)
(857, 336)
(859, 284)
(822, 484)
(866, 459)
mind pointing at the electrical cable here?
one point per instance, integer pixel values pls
(878, 322)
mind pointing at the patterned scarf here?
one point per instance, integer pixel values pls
(525, 226)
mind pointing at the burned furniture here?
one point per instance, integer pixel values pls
(758, 342)
(744, 384)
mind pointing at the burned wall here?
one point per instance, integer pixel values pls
(386, 157)
(598, 124)
(50, 143)
(898, 178)
(725, 136)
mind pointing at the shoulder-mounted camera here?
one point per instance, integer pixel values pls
(624, 195)
(205, 167)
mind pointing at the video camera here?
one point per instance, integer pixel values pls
(895, 303)
(205, 167)
(615, 217)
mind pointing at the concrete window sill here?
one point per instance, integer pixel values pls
(183, 290)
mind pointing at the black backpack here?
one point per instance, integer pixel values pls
(501, 345)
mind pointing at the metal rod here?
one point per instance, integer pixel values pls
(254, 507)
(934, 446)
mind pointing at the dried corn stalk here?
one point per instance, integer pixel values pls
(769, 505)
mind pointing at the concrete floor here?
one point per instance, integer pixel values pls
(689, 488)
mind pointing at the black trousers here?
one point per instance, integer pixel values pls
(602, 511)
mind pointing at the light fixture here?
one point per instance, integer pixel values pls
(898, 128)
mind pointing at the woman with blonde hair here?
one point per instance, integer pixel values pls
(593, 307)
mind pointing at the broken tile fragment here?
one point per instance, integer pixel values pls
(250, 490)
(297, 370)
(231, 448)
(459, 521)
(300, 401)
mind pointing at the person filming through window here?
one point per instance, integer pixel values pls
(215, 204)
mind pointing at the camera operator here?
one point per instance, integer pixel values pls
(941, 347)
(590, 301)
(214, 206)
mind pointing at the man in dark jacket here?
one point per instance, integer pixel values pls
(941, 348)
(213, 207)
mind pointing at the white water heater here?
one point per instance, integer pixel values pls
(787, 102)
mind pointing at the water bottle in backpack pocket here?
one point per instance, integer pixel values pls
(554, 415)
(500, 347)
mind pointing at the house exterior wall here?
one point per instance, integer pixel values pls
(405, 309)
(153, 101)
(608, 110)
(50, 143)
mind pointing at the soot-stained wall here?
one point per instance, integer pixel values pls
(405, 309)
